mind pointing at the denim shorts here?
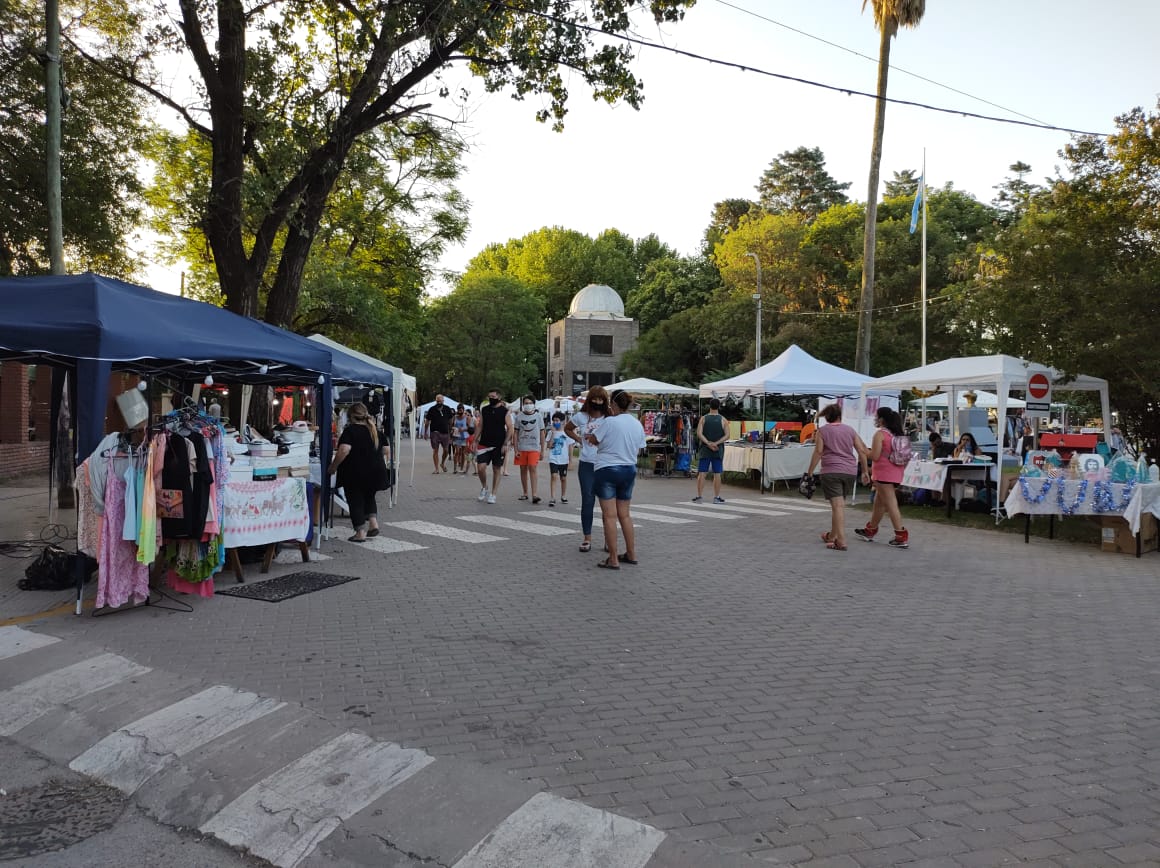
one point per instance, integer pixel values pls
(616, 481)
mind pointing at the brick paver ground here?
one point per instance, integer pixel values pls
(971, 701)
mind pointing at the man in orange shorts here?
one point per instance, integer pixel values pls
(528, 441)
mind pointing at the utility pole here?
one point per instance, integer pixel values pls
(757, 298)
(52, 95)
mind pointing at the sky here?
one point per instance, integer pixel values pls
(706, 132)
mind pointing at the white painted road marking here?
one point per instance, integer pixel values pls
(26, 702)
(15, 641)
(802, 505)
(387, 546)
(574, 517)
(282, 818)
(729, 507)
(127, 758)
(444, 531)
(293, 557)
(502, 523)
(682, 510)
(548, 830)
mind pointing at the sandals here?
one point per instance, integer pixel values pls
(551, 503)
(535, 499)
(374, 531)
(563, 500)
(835, 546)
(607, 564)
(356, 538)
(523, 497)
(625, 559)
(586, 546)
(827, 537)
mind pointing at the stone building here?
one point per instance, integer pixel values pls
(585, 347)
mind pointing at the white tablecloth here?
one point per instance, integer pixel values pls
(1146, 498)
(1017, 504)
(789, 462)
(259, 513)
(933, 475)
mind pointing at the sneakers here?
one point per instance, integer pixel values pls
(491, 498)
(697, 499)
(718, 500)
(866, 533)
(901, 539)
(482, 495)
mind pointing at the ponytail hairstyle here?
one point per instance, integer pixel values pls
(622, 400)
(891, 421)
(360, 416)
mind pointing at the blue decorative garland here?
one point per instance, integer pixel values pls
(1104, 497)
(1080, 496)
(1026, 489)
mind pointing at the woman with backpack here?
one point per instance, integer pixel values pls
(889, 455)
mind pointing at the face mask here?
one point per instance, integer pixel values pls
(529, 408)
(493, 401)
(557, 425)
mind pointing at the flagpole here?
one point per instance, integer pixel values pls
(923, 182)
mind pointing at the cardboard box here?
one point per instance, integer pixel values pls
(300, 472)
(1116, 536)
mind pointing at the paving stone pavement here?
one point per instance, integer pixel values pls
(970, 701)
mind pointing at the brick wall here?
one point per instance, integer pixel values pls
(23, 459)
(13, 403)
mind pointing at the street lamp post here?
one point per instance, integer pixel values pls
(757, 298)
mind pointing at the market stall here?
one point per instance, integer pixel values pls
(1053, 496)
(668, 424)
(794, 372)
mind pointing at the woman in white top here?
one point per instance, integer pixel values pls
(618, 442)
(589, 418)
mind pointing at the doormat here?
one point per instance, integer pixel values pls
(286, 587)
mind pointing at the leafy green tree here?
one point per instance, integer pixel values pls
(556, 263)
(797, 182)
(1015, 193)
(483, 335)
(670, 285)
(668, 351)
(889, 15)
(904, 183)
(102, 130)
(725, 218)
(1072, 281)
(289, 90)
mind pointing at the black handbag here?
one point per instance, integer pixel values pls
(806, 485)
(54, 570)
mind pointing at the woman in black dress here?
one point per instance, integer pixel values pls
(361, 471)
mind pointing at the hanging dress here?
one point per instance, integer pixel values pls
(121, 578)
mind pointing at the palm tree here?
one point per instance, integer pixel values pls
(889, 15)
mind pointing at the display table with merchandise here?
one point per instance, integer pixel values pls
(1059, 496)
(942, 475)
(265, 514)
(778, 462)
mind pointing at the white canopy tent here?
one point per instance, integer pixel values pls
(983, 399)
(794, 372)
(998, 372)
(645, 386)
(400, 382)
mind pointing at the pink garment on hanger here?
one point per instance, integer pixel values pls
(121, 578)
(200, 589)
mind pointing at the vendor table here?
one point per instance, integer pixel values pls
(787, 462)
(1082, 500)
(265, 513)
(939, 476)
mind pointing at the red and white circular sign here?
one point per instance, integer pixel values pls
(1038, 386)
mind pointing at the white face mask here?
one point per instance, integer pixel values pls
(529, 408)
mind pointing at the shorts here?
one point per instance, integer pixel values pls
(705, 464)
(492, 455)
(458, 442)
(616, 481)
(560, 470)
(837, 485)
(529, 458)
(438, 440)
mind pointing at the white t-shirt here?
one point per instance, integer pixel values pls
(558, 443)
(528, 428)
(621, 439)
(586, 425)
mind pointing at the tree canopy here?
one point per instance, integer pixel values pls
(797, 182)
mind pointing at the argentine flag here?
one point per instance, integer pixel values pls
(917, 203)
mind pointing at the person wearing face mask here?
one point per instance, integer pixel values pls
(528, 441)
(460, 424)
(437, 425)
(493, 431)
(558, 458)
(584, 422)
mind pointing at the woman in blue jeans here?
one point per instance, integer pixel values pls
(584, 422)
(618, 443)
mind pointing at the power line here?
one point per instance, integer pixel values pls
(635, 40)
(893, 67)
(877, 310)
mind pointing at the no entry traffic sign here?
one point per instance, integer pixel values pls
(1038, 393)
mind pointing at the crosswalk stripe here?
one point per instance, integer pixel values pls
(127, 758)
(573, 517)
(445, 531)
(283, 817)
(24, 703)
(549, 830)
(797, 505)
(14, 640)
(511, 524)
(387, 546)
(680, 510)
(729, 507)
(292, 557)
